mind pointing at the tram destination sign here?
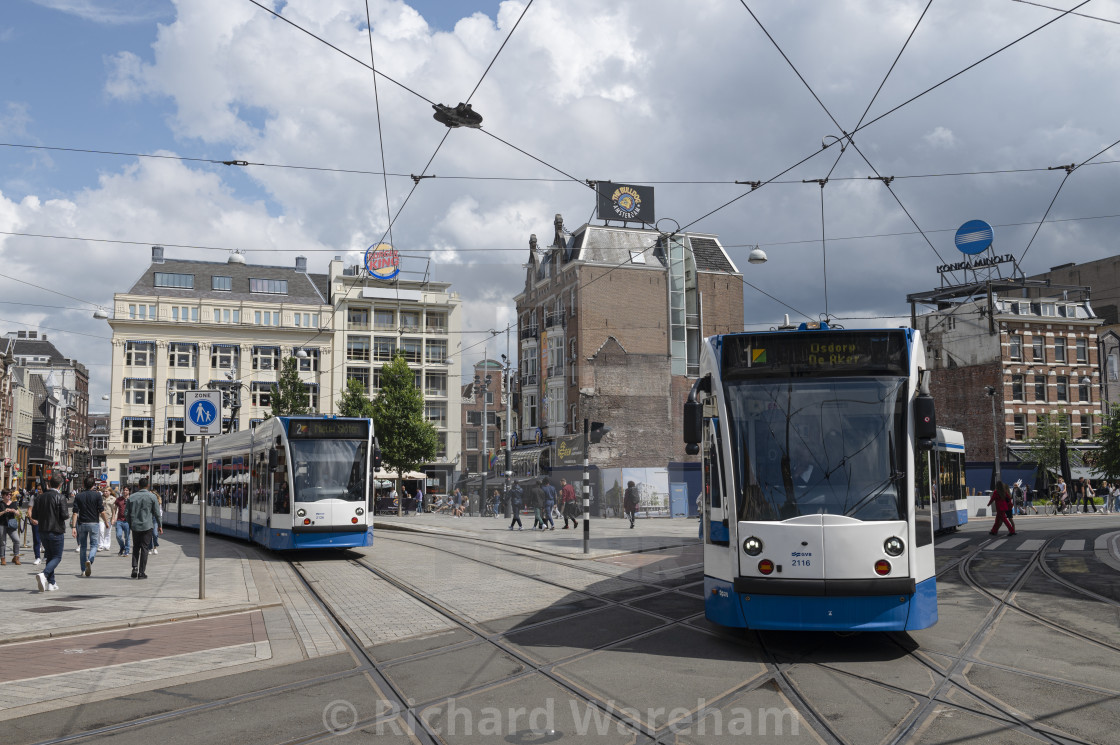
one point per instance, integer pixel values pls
(328, 429)
(837, 352)
(993, 260)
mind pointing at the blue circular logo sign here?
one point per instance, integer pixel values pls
(202, 413)
(974, 237)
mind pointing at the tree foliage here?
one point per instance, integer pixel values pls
(407, 440)
(354, 401)
(1106, 461)
(289, 396)
(1045, 447)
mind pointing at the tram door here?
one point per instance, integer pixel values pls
(260, 488)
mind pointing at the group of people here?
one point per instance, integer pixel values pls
(543, 499)
(1083, 495)
(93, 518)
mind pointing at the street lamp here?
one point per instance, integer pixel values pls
(996, 475)
(483, 384)
(507, 389)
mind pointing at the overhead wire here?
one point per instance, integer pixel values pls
(1069, 171)
(882, 116)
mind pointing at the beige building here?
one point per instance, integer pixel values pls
(187, 325)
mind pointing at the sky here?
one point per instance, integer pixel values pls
(972, 106)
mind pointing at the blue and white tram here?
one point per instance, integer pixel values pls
(812, 516)
(944, 468)
(291, 483)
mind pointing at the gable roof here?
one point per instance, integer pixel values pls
(301, 287)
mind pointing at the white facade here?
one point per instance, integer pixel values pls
(234, 326)
(372, 320)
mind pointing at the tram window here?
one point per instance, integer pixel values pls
(191, 487)
(712, 477)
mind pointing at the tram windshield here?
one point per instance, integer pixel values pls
(329, 469)
(833, 446)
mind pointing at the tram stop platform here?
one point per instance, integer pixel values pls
(106, 636)
(608, 536)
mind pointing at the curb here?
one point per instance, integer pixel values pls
(96, 628)
(602, 553)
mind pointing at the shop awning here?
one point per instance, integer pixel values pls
(390, 475)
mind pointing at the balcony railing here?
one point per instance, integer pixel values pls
(529, 332)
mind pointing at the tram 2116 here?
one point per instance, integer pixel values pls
(811, 516)
(291, 483)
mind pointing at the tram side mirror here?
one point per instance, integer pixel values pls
(693, 426)
(925, 422)
(273, 460)
(376, 458)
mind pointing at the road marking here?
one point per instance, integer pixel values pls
(995, 544)
(952, 542)
(1032, 544)
(1073, 545)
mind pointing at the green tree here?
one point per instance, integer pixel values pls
(354, 401)
(289, 395)
(1106, 461)
(1045, 447)
(407, 440)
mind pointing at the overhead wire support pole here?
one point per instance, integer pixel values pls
(824, 251)
(586, 486)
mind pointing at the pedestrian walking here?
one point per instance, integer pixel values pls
(51, 515)
(535, 500)
(515, 501)
(89, 512)
(9, 526)
(105, 539)
(1114, 492)
(145, 519)
(36, 539)
(568, 504)
(1028, 499)
(630, 501)
(159, 510)
(549, 501)
(1088, 496)
(1001, 501)
(123, 533)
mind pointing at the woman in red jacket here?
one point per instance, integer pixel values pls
(1002, 500)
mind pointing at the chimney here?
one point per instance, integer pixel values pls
(157, 254)
(301, 264)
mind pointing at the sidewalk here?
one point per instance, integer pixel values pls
(609, 536)
(106, 635)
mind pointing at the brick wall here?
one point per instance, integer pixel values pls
(963, 405)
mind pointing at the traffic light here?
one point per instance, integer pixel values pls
(598, 430)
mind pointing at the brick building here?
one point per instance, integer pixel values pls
(484, 416)
(610, 323)
(1032, 342)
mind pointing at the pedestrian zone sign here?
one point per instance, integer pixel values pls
(202, 413)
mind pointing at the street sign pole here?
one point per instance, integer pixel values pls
(202, 418)
(202, 526)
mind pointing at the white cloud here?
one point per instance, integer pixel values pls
(110, 12)
(940, 138)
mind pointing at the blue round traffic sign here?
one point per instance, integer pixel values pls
(974, 236)
(202, 412)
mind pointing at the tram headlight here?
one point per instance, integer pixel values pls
(359, 511)
(882, 567)
(301, 512)
(893, 546)
(753, 546)
(766, 566)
